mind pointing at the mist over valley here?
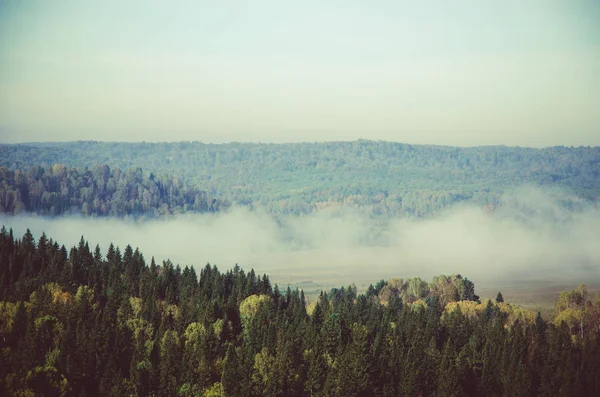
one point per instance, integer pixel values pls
(513, 249)
(324, 199)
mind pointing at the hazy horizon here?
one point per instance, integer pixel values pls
(461, 74)
(250, 142)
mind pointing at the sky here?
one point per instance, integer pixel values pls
(461, 73)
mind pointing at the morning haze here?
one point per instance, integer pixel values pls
(461, 73)
(332, 248)
(328, 198)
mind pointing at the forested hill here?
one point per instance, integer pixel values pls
(388, 178)
(77, 322)
(99, 191)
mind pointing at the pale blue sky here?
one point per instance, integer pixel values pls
(447, 72)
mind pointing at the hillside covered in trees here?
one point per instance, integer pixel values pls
(388, 178)
(99, 191)
(80, 322)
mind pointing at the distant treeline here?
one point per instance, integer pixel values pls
(99, 191)
(389, 179)
(75, 322)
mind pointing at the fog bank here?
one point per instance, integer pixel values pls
(331, 249)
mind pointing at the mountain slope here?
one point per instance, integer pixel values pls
(388, 178)
(99, 191)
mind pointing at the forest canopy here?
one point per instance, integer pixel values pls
(99, 191)
(390, 179)
(82, 322)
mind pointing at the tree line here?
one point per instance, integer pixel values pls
(83, 323)
(387, 178)
(99, 191)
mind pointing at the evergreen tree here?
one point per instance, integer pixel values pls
(499, 298)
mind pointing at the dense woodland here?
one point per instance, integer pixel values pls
(99, 191)
(389, 179)
(83, 323)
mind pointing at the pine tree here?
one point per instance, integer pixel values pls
(232, 374)
(499, 298)
(448, 374)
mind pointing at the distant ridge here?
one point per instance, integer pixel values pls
(99, 191)
(388, 179)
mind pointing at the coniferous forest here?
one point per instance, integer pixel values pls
(99, 191)
(312, 198)
(83, 322)
(388, 178)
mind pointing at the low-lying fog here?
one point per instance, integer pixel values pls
(531, 239)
